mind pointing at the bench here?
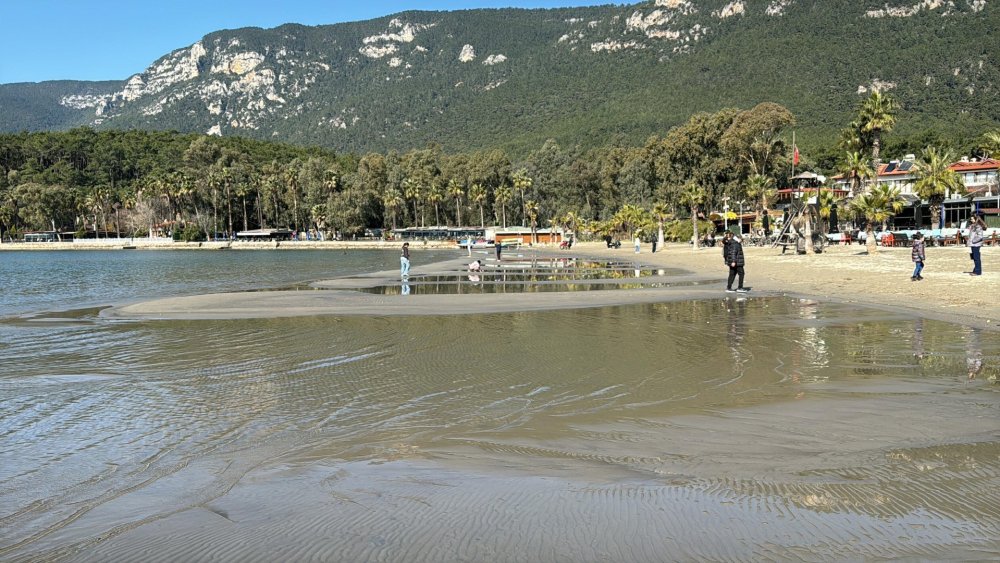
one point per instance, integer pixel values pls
(900, 239)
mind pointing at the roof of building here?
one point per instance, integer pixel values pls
(975, 165)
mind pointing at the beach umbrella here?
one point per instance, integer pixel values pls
(833, 219)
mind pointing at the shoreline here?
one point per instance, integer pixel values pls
(844, 274)
(167, 244)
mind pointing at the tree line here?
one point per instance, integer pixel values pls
(102, 183)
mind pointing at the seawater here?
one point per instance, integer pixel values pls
(786, 428)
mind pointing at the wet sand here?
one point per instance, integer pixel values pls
(821, 432)
(841, 273)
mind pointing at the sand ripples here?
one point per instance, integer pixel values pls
(760, 429)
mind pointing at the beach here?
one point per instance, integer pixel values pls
(845, 274)
(584, 405)
(848, 274)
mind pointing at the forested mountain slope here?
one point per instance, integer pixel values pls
(512, 78)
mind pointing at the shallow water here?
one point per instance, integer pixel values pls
(752, 428)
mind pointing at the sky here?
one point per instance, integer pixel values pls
(114, 39)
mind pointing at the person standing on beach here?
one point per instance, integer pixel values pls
(638, 243)
(498, 246)
(976, 243)
(917, 253)
(735, 261)
(404, 261)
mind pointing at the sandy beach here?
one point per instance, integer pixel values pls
(848, 274)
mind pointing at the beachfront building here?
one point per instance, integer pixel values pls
(438, 233)
(265, 235)
(980, 176)
(522, 235)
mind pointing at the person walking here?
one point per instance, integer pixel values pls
(917, 253)
(976, 243)
(734, 259)
(404, 261)
(498, 246)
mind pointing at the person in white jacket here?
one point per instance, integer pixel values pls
(975, 239)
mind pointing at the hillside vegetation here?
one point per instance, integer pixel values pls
(511, 79)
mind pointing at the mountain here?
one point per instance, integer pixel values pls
(512, 78)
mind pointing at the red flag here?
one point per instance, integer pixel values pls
(795, 155)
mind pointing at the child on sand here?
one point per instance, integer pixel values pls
(917, 253)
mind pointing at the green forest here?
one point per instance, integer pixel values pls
(131, 183)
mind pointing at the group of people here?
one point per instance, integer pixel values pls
(404, 260)
(732, 254)
(974, 240)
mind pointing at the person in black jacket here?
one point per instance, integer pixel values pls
(733, 251)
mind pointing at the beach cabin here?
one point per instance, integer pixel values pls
(264, 235)
(438, 233)
(41, 236)
(522, 235)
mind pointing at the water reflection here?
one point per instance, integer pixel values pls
(973, 352)
(109, 425)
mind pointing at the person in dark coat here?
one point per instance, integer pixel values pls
(734, 259)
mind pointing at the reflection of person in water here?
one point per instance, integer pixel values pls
(918, 338)
(406, 289)
(735, 332)
(973, 353)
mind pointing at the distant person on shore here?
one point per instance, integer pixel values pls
(404, 261)
(917, 253)
(734, 259)
(638, 244)
(976, 243)
(498, 246)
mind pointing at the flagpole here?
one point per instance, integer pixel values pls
(793, 154)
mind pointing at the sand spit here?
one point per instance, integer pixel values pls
(842, 273)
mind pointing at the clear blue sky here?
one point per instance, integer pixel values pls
(114, 39)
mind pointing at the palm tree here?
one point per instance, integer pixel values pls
(392, 201)
(531, 208)
(877, 206)
(522, 182)
(503, 196)
(991, 143)
(935, 181)
(456, 192)
(825, 200)
(760, 189)
(435, 196)
(413, 191)
(291, 177)
(571, 221)
(857, 168)
(694, 196)
(630, 218)
(877, 115)
(477, 193)
(662, 212)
